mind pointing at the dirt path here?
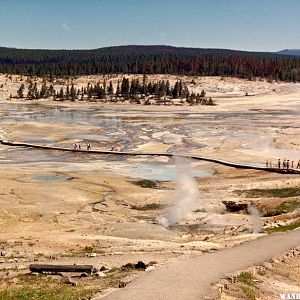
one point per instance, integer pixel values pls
(192, 278)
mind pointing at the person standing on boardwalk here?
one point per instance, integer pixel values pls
(288, 164)
(298, 164)
(279, 163)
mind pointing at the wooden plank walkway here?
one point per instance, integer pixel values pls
(166, 154)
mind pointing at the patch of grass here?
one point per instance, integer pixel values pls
(272, 193)
(249, 292)
(30, 287)
(246, 278)
(283, 228)
(89, 249)
(145, 183)
(283, 208)
(45, 287)
(148, 206)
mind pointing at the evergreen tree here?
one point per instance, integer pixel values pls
(125, 88)
(20, 91)
(61, 94)
(110, 89)
(30, 94)
(73, 93)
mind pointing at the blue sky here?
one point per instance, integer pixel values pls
(262, 25)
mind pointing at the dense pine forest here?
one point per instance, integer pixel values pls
(150, 60)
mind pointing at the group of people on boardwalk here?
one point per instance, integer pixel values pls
(285, 164)
(77, 146)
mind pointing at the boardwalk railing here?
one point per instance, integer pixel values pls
(166, 154)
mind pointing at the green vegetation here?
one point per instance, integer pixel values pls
(279, 193)
(249, 292)
(283, 228)
(148, 206)
(283, 208)
(145, 183)
(44, 288)
(249, 285)
(246, 278)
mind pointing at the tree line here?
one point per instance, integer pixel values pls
(150, 60)
(133, 90)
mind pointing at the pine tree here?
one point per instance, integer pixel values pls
(68, 92)
(20, 91)
(110, 89)
(61, 93)
(73, 93)
(118, 91)
(30, 94)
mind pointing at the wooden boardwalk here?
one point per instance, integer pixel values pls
(166, 154)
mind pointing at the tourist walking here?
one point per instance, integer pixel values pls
(279, 163)
(284, 164)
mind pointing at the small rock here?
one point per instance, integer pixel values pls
(103, 268)
(268, 265)
(122, 284)
(252, 271)
(92, 255)
(140, 266)
(83, 275)
(150, 268)
(275, 260)
(21, 267)
(66, 280)
(100, 274)
(2, 253)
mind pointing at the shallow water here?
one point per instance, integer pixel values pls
(50, 178)
(181, 132)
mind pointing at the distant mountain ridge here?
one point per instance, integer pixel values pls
(293, 52)
(151, 59)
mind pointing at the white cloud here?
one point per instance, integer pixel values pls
(66, 27)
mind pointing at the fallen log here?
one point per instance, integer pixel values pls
(38, 268)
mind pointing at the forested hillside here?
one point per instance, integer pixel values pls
(150, 60)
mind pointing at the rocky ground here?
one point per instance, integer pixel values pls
(274, 279)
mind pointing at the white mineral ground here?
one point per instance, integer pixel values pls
(55, 203)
